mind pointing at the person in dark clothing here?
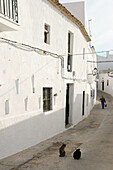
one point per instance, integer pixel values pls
(102, 99)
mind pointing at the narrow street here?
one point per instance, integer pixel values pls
(93, 135)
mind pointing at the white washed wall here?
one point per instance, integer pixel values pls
(21, 129)
(104, 67)
(104, 77)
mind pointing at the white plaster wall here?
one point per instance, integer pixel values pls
(21, 129)
(92, 79)
(78, 99)
(104, 77)
(104, 68)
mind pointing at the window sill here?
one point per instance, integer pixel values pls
(48, 112)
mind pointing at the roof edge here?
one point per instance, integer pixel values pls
(71, 17)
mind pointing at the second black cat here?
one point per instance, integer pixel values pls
(77, 154)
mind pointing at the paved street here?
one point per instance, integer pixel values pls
(94, 136)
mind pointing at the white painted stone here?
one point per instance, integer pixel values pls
(21, 129)
(105, 65)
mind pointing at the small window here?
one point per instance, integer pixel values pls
(70, 52)
(47, 34)
(107, 82)
(47, 99)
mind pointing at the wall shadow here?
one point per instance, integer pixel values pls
(30, 132)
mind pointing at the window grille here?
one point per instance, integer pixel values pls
(47, 99)
(47, 34)
(9, 8)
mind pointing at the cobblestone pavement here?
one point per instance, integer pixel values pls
(93, 135)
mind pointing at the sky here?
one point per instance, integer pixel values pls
(101, 13)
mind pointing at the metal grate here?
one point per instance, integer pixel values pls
(9, 8)
(47, 99)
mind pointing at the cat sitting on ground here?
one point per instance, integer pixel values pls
(77, 154)
(62, 151)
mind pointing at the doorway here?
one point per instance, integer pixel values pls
(69, 104)
(103, 86)
(83, 103)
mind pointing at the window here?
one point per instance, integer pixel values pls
(107, 82)
(47, 34)
(70, 51)
(47, 99)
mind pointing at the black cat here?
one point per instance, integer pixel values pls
(77, 154)
(62, 151)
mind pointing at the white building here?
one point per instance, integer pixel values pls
(105, 67)
(78, 9)
(92, 75)
(44, 83)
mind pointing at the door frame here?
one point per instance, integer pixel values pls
(69, 103)
(102, 85)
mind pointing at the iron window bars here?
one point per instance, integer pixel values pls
(9, 8)
(47, 99)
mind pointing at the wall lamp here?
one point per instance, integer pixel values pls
(95, 71)
(110, 74)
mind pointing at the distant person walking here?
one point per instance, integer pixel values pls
(102, 99)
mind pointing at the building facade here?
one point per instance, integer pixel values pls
(92, 75)
(105, 67)
(44, 85)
